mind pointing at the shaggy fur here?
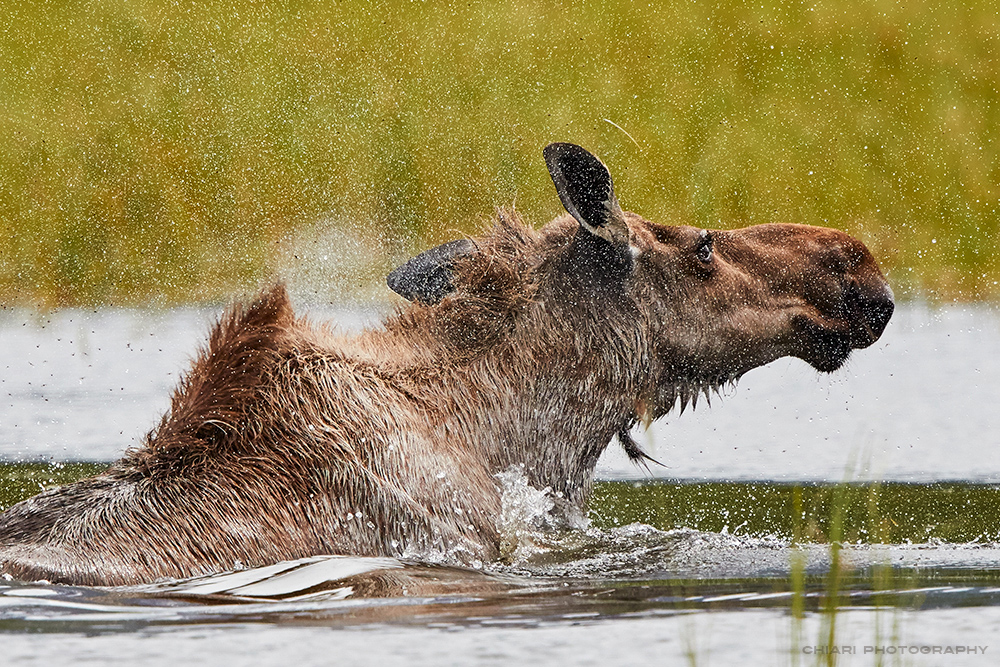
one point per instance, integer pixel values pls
(287, 440)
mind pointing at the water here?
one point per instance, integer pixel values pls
(370, 611)
(693, 562)
(917, 406)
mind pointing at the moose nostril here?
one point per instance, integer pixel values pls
(878, 312)
(871, 312)
(875, 310)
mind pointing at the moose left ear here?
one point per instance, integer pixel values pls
(426, 278)
(586, 191)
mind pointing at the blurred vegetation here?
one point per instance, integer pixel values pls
(883, 513)
(870, 513)
(167, 151)
(20, 481)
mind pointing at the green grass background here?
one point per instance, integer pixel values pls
(883, 513)
(167, 150)
(868, 513)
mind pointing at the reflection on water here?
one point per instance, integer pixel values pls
(592, 573)
(723, 637)
(724, 597)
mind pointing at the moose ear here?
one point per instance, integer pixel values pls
(585, 189)
(426, 278)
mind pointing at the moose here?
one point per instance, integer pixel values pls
(521, 347)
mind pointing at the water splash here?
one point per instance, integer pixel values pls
(526, 514)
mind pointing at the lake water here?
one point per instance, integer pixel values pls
(695, 561)
(920, 405)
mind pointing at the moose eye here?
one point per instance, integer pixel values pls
(704, 249)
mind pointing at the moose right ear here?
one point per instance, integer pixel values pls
(586, 191)
(426, 278)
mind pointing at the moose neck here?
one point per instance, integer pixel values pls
(554, 427)
(540, 356)
(553, 395)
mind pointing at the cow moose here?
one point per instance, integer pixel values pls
(521, 347)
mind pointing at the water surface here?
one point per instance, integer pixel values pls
(743, 549)
(920, 405)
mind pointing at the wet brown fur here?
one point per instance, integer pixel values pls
(287, 440)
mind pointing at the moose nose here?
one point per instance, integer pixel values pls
(871, 311)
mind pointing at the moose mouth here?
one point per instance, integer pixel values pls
(825, 348)
(828, 342)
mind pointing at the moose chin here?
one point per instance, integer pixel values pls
(522, 347)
